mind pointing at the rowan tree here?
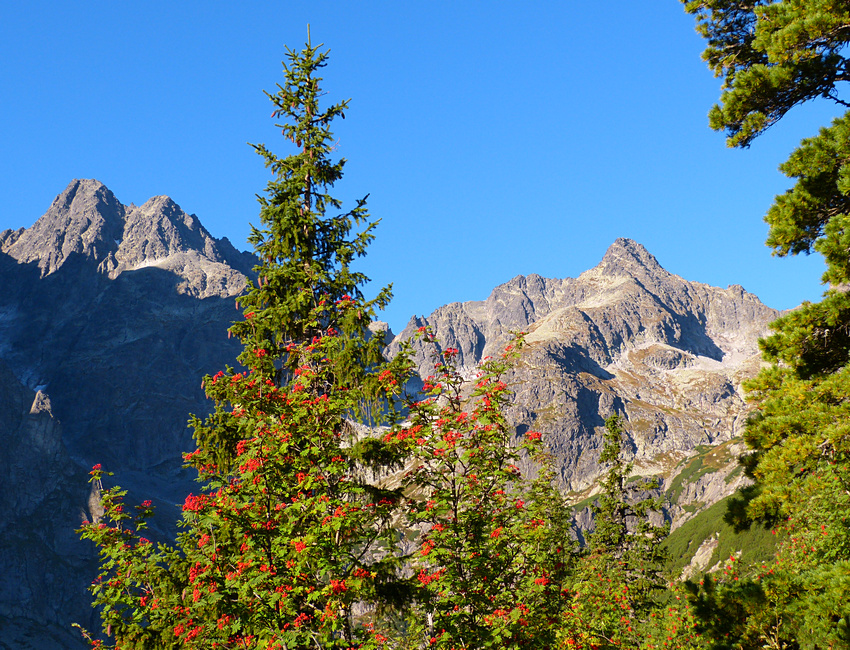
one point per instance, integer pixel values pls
(495, 545)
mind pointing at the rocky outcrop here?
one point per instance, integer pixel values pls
(42, 502)
(86, 219)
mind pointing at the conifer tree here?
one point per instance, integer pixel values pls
(623, 528)
(286, 545)
(618, 584)
(774, 56)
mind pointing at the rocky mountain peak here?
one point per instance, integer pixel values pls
(88, 221)
(627, 336)
(85, 219)
(109, 317)
(627, 258)
(160, 228)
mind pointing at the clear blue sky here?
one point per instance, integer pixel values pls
(495, 139)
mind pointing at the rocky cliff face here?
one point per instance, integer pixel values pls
(624, 337)
(109, 317)
(111, 314)
(37, 546)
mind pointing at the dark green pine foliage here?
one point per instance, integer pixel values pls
(774, 55)
(623, 528)
(305, 252)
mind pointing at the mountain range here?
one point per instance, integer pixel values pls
(111, 314)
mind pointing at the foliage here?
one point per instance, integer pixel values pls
(777, 604)
(623, 527)
(281, 551)
(495, 547)
(798, 599)
(775, 55)
(672, 624)
(617, 590)
(600, 613)
(800, 434)
(312, 531)
(297, 536)
(305, 254)
(287, 545)
(772, 55)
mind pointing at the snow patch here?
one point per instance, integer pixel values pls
(158, 262)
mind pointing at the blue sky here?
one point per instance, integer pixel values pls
(494, 139)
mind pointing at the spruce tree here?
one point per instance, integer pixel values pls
(618, 585)
(623, 528)
(287, 545)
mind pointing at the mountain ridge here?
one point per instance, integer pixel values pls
(87, 219)
(113, 313)
(625, 337)
(626, 268)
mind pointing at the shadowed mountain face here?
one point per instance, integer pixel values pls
(111, 314)
(109, 318)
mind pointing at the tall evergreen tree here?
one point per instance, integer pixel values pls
(623, 527)
(287, 545)
(618, 584)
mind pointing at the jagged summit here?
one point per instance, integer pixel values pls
(626, 258)
(159, 228)
(624, 254)
(87, 219)
(627, 300)
(626, 336)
